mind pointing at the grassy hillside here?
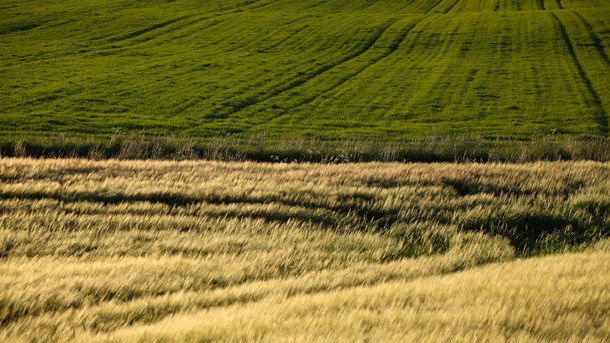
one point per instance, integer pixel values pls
(200, 251)
(334, 69)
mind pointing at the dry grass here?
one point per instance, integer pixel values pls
(199, 251)
(549, 299)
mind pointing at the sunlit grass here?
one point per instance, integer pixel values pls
(150, 250)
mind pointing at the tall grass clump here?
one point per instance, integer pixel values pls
(261, 147)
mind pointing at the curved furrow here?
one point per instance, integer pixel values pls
(258, 89)
(451, 6)
(256, 4)
(145, 30)
(392, 48)
(434, 82)
(296, 62)
(313, 74)
(401, 72)
(446, 9)
(259, 45)
(249, 49)
(191, 25)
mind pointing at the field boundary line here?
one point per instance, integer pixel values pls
(600, 114)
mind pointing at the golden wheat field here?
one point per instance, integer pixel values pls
(161, 251)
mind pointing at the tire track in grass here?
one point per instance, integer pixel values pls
(198, 99)
(447, 9)
(435, 81)
(247, 103)
(145, 30)
(298, 82)
(559, 5)
(393, 47)
(601, 117)
(452, 6)
(288, 37)
(241, 8)
(516, 5)
(596, 41)
(130, 44)
(497, 6)
(166, 23)
(248, 46)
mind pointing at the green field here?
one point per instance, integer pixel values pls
(331, 69)
(196, 251)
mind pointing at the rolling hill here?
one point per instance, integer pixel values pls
(330, 69)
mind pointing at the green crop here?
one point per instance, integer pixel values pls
(330, 69)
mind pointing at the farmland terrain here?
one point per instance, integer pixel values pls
(124, 247)
(149, 251)
(330, 69)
